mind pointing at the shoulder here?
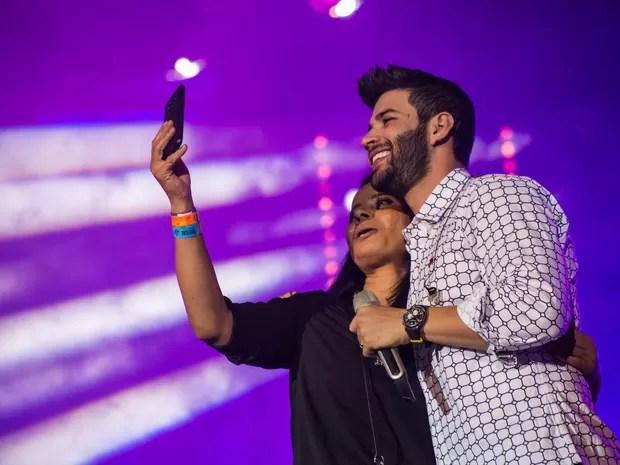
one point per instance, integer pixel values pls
(514, 195)
(303, 298)
(511, 189)
(505, 185)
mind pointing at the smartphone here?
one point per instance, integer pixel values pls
(175, 108)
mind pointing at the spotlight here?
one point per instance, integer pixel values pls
(184, 68)
(344, 8)
(348, 198)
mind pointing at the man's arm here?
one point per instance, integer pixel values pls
(518, 233)
(524, 300)
(381, 327)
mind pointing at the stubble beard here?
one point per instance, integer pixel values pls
(409, 164)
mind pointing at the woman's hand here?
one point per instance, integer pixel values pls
(578, 349)
(171, 173)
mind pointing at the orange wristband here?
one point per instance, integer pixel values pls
(184, 220)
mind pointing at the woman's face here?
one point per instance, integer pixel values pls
(375, 229)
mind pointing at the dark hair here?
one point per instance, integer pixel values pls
(429, 95)
(351, 278)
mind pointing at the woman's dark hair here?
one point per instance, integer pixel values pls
(429, 95)
(351, 278)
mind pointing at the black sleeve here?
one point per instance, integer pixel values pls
(268, 334)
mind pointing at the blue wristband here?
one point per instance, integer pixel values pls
(185, 232)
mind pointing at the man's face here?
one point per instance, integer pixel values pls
(396, 144)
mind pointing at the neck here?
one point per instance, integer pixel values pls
(383, 281)
(439, 169)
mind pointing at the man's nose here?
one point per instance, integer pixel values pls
(369, 140)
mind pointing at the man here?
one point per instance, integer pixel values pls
(492, 281)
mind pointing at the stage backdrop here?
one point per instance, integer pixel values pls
(97, 362)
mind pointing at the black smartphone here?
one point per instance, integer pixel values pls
(175, 108)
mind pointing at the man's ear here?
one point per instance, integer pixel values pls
(440, 128)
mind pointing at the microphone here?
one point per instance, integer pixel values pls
(390, 358)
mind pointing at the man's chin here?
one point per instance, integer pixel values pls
(382, 178)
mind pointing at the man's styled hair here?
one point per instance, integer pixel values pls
(429, 95)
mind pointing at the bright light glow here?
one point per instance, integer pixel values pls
(331, 268)
(330, 252)
(324, 172)
(510, 166)
(327, 221)
(500, 148)
(325, 204)
(344, 8)
(120, 420)
(506, 133)
(184, 68)
(348, 199)
(329, 236)
(320, 142)
(44, 333)
(508, 149)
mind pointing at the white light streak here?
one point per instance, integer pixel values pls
(101, 427)
(48, 332)
(31, 152)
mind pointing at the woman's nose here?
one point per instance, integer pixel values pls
(365, 215)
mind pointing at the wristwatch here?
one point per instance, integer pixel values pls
(413, 319)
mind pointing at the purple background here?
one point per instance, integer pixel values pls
(549, 70)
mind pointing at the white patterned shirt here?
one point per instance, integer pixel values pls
(496, 247)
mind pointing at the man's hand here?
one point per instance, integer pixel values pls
(379, 328)
(171, 173)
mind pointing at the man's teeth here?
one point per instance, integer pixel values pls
(379, 156)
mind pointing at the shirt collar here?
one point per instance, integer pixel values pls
(442, 197)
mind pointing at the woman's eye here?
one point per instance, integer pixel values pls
(383, 201)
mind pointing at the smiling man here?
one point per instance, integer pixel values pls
(492, 282)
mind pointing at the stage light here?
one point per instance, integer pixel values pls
(325, 204)
(331, 268)
(508, 149)
(327, 221)
(344, 8)
(330, 251)
(184, 68)
(506, 133)
(348, 198)
(320, 142)
(324, 172)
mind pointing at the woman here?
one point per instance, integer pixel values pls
(344, 407)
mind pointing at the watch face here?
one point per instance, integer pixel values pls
(414, 317)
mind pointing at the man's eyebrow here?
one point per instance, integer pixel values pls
(381, 114)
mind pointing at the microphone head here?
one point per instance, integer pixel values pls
(364, 298)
